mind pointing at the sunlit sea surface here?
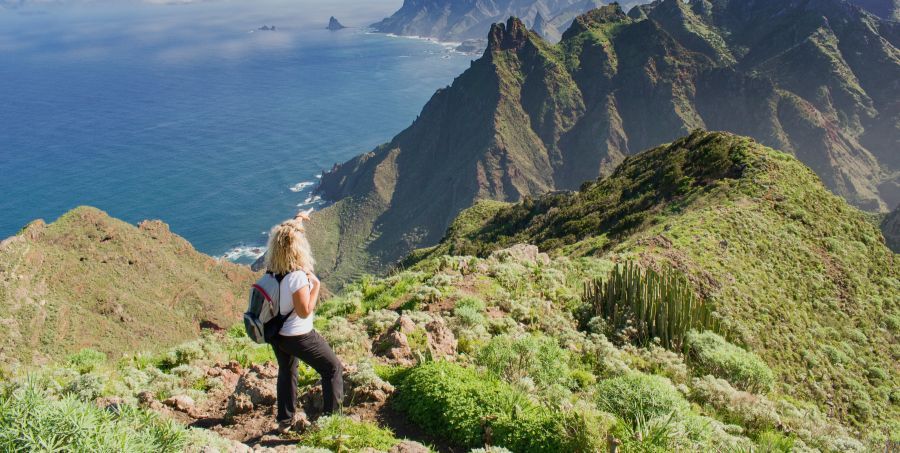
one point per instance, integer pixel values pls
(190, 114)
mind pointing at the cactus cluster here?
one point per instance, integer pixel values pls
(654, 304)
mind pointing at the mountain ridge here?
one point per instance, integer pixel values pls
(529, 117)
(454, 20)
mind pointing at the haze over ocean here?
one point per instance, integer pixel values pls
(189, 114)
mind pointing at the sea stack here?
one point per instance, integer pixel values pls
(333, 24)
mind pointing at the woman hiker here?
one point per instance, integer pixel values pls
(289, 258)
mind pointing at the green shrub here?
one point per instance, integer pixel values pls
(181, 355)
(457, 403)
(246, 352)
(754, 412)
(534, 356)
(471, 302)
(338, 433)
(638, 396)
(378, 322)
(468, 316)
(237, 331)
(86, 360)
(86, 387)
(773, 441)
(349, 340)
(32, 421)
(711, 354)
(343, 305)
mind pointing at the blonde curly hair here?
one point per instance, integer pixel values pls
(288, 249)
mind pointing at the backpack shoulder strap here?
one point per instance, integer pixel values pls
(279, 278)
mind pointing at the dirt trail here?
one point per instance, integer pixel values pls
(243, 409)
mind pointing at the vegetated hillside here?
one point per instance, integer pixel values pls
(88, 280)
(454, 353)
(458, 20)
(816, 79)
(797, 275)
(891, 229)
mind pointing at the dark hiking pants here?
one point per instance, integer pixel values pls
(313, 350)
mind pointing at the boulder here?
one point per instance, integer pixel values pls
(409, 446)
(394, 344)
(182, 403)
(441, 341)
(147, 400)
(110, 403)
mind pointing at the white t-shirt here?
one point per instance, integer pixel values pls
(294, 325)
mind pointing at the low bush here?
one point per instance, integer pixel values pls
(181, 355)
(342, 305)
(637, 396)
(467, 316)
(471, 302)
(86, 387)
(709, 353)
(378, 322)
(774, 442)
(535, 356)
(349, 340)
(32, 421)
(86, 360)
(338, 433)
(457, 403)
(754, 412)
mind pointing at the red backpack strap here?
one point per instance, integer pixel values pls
(264, 293)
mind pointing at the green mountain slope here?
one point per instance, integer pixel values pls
(88, 280)
(797, 274)
(816, 79)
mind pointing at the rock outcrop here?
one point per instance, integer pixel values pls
(255, 388)
(406, 342)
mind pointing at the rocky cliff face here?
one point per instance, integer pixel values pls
(817, 79)
(890, 227)
(88, 280)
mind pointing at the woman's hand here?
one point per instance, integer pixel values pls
(302, 215)
(313, 280)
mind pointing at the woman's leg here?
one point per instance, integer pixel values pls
(326, 363)
(286, 387)
(314, 351)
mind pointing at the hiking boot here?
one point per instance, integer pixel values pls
(298, 424)
(285, 426)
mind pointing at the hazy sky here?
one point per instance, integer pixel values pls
(98, 29)
(364, 10)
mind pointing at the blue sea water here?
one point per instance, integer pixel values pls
(189, 114)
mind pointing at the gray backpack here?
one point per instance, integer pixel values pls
(263, 319)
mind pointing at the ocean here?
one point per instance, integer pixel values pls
(190, 114)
